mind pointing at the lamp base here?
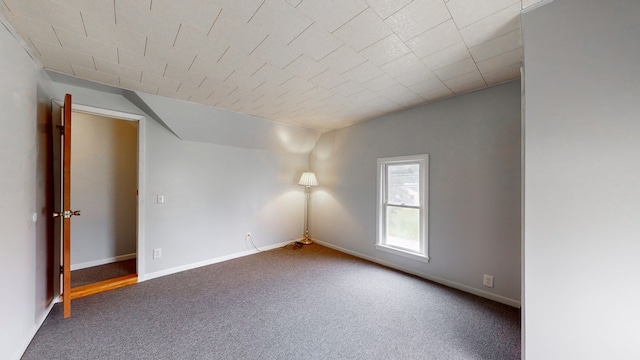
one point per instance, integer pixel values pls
(306, 240)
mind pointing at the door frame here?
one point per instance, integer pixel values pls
(140, 218)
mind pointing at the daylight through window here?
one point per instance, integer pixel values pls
(402, 205)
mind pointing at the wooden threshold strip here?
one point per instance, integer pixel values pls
(90, 289)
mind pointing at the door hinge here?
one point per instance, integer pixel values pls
(61, 269)
(61, 128)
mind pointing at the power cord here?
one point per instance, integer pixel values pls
(254, 245)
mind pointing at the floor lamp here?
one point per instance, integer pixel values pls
(308, 179)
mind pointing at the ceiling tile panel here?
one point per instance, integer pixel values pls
(280, 20)
(497, 62)
(56, 65)
(363, 30)
(400, 94)
(497, 46)
(111, 34)
(343, 59)
(297, 84)
(159, 81)
(28, 27)
(276, 53)
(448, 56)
(65, 55)
(386, 8)
(229, 30)
(436, 39)
(194, 42)
(59, 15)
(466, 12)
(102, 8)
(199, 14)
(272, 75)
(436, 94)
(466, 82)
(138, 86)
(136, 16)
(305, 67)
(141, 62)
(492, 26)
(456, 69)
(92, 74)
(363, 73)
(331, 14)
(81, 43)
(316, 42)
(381, 82)
(427, 86)
(243, 81)
(117, 69)
(181, 74)
(408, 70)
(348, 88)
(385, 50)
(503, 74)
(418, 17)
(160, 52)
(328, 79)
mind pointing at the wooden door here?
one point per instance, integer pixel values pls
(63, 201)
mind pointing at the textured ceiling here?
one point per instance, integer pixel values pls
(318, 64)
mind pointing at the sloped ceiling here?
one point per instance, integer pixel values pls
(317, 64)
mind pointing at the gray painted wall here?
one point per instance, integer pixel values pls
(474, 146)
(582, 194)
(104, 182)
(26, 261)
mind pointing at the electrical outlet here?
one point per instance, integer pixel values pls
(157, 253)
(488, 280)
(248, 234)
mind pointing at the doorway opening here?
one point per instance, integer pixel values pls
(107, 185)
(104, 184)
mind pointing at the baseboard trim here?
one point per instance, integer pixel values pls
(110, 260)
(32, 333)
(439, 280)
(177, 269)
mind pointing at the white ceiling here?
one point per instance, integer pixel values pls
(318, 64)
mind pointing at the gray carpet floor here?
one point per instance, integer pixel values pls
(102, 272)
(310, 303)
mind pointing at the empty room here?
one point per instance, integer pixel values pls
(312, 179)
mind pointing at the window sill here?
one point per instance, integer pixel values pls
(401, 252)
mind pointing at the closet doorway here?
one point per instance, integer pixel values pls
(104, 184)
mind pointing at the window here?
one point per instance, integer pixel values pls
(403, 205)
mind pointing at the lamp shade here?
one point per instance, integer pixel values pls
(308, 179)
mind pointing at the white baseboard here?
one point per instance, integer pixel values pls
(439, 280)
(110, 260)
(198, 264)
(27, 340)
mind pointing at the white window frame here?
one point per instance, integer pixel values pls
(381, 244)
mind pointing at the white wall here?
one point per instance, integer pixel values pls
(214, 194)
(474, 209)
(25, 252)
(582, 182)
(103, 185)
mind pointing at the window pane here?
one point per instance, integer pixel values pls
(403, 182)
(403, 228)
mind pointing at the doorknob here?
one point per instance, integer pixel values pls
(67, 214)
